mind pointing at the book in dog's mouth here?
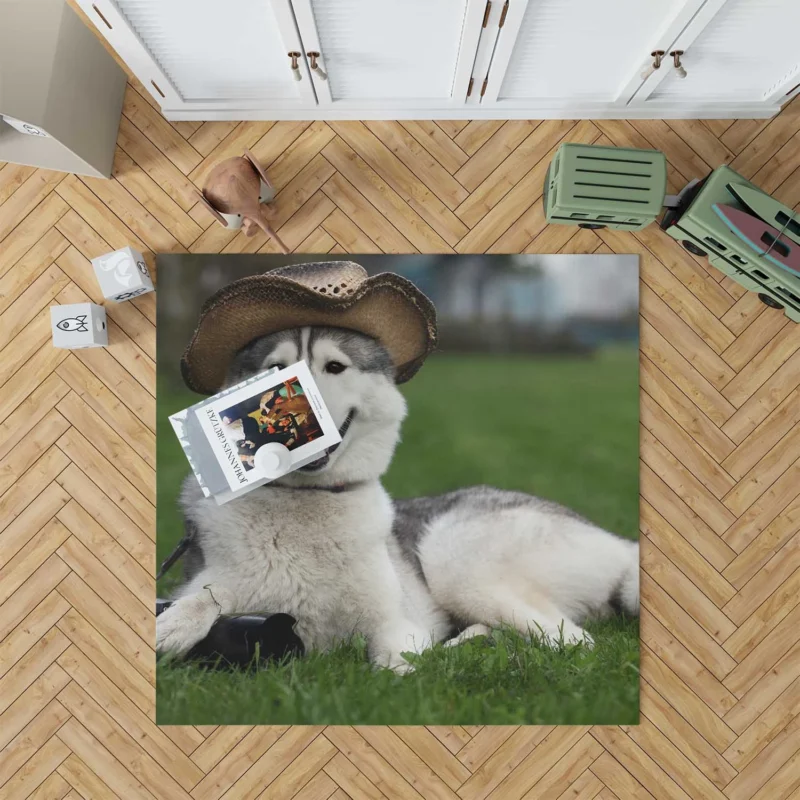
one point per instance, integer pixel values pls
(261, 429)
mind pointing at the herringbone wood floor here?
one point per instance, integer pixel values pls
(720, 412)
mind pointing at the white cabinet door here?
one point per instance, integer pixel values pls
(432, 59)
(562, 54)
(746, 51)
(387, 54)
(208, 54)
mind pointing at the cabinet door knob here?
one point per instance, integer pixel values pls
(321, 74)
(296, 74)
(651, 68)
(676, 60)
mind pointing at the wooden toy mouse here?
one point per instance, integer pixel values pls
(233, 194)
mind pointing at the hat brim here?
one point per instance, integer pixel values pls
(386, 307)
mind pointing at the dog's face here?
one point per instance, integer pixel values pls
(355, 375)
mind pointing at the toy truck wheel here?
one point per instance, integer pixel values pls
(693, 248)
(592, 226)
(769, 301)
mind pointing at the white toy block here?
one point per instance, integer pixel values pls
(122, 275)
(79, 325)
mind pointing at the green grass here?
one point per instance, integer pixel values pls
(503, 681)
(564, 429)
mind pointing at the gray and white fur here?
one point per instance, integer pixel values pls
(328, 545)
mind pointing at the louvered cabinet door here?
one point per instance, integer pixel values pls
(379, 55)
(555, 55)
(208, 54)
(737, 51)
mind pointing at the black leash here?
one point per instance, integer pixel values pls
(183, 546)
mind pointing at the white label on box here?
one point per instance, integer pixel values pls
(25, 127)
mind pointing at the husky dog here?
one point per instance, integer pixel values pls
(328, 545)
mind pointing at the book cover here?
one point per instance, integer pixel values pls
(278, 410)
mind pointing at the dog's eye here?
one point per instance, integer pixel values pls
(335, 367)
(277, 365)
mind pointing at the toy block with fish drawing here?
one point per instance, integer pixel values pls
(78, 325)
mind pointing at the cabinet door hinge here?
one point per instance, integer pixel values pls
(486, 13)
(469, 88)
(483, 88)
(503, 15)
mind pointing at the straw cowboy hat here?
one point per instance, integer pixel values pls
(386, 307)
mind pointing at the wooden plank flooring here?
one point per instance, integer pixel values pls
(720, 394)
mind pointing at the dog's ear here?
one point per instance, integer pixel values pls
(213, 211)
(257, 167)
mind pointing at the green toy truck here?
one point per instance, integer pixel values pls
(694, 223)
(596, 187)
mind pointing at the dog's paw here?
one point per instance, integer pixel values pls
(392, 660)
(394, 663)
(565, 634)
(183, 625)
(471, 632)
